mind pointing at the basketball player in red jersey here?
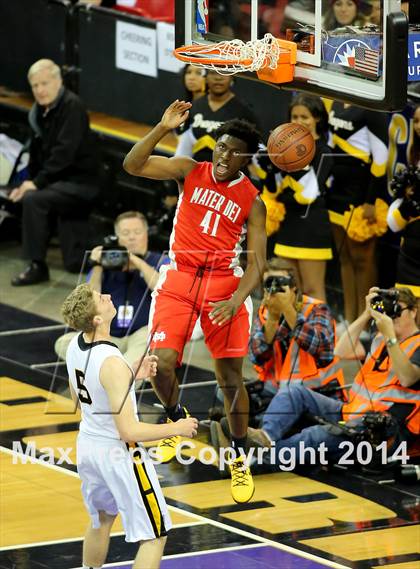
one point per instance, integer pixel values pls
(217, 205)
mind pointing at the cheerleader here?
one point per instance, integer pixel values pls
(360, 141)
(207, 114)
(296, 211)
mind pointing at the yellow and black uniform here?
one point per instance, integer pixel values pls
(113, 480)
(360, 143)
(305, 232)
(197, 140)
(403, 215)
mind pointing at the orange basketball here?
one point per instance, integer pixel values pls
(291, 147)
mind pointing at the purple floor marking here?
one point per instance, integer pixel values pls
(258, 558)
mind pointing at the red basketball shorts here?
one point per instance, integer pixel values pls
(181, 297)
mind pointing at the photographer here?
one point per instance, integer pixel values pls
(388, 384)
(293, 336)
(129, 273)
(404, 215)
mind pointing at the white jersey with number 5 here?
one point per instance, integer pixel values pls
(84, 362)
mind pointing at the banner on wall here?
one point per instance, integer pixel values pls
(414, 57)
(166, 44)
(135, 49)
(359, 52)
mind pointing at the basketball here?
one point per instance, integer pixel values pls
(291, 147)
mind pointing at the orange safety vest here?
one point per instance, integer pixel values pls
(378, 390)
(299, 364)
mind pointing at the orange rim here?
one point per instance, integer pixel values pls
(207, 60)
(210, 55)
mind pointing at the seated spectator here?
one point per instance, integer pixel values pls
(341, 13)
(130, 287)
(63, 168)
(387, 383)
(293, 336)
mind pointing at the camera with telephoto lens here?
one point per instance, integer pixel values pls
(409, 178)
(114, 256)
(386, 302)
(273, 284)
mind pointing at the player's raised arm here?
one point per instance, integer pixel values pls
(116, 378)
(139, 161)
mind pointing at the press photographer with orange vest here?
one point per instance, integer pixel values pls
(389, 380)
(293, 337)
(387, 385)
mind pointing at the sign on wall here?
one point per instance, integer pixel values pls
(136, 49)
(166, 44)
(413, 57)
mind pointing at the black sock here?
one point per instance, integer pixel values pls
(176, 412)
(239, 445)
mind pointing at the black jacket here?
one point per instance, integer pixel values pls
(62, 146)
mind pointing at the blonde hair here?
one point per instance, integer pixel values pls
(79, 308)
(47, 64)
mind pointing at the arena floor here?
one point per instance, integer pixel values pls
(304, 519)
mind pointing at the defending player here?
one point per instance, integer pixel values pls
(217, 205)
(103, 383)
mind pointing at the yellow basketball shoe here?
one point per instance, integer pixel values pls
(166, 449)
(242, 484)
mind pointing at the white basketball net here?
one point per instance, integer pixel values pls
(240, 56)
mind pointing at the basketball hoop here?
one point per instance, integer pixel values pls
(273, 59)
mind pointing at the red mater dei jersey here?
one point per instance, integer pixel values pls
(210, 220)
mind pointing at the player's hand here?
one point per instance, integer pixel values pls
(96, 254)
(17, 194)
(223, 311)
(369, 213)
(186, 427)
(175, 114)
(147, 367)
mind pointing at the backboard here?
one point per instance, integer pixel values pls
(356, 55)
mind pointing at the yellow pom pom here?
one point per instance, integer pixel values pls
(275, 214)
(357, 226)
(381, 215)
